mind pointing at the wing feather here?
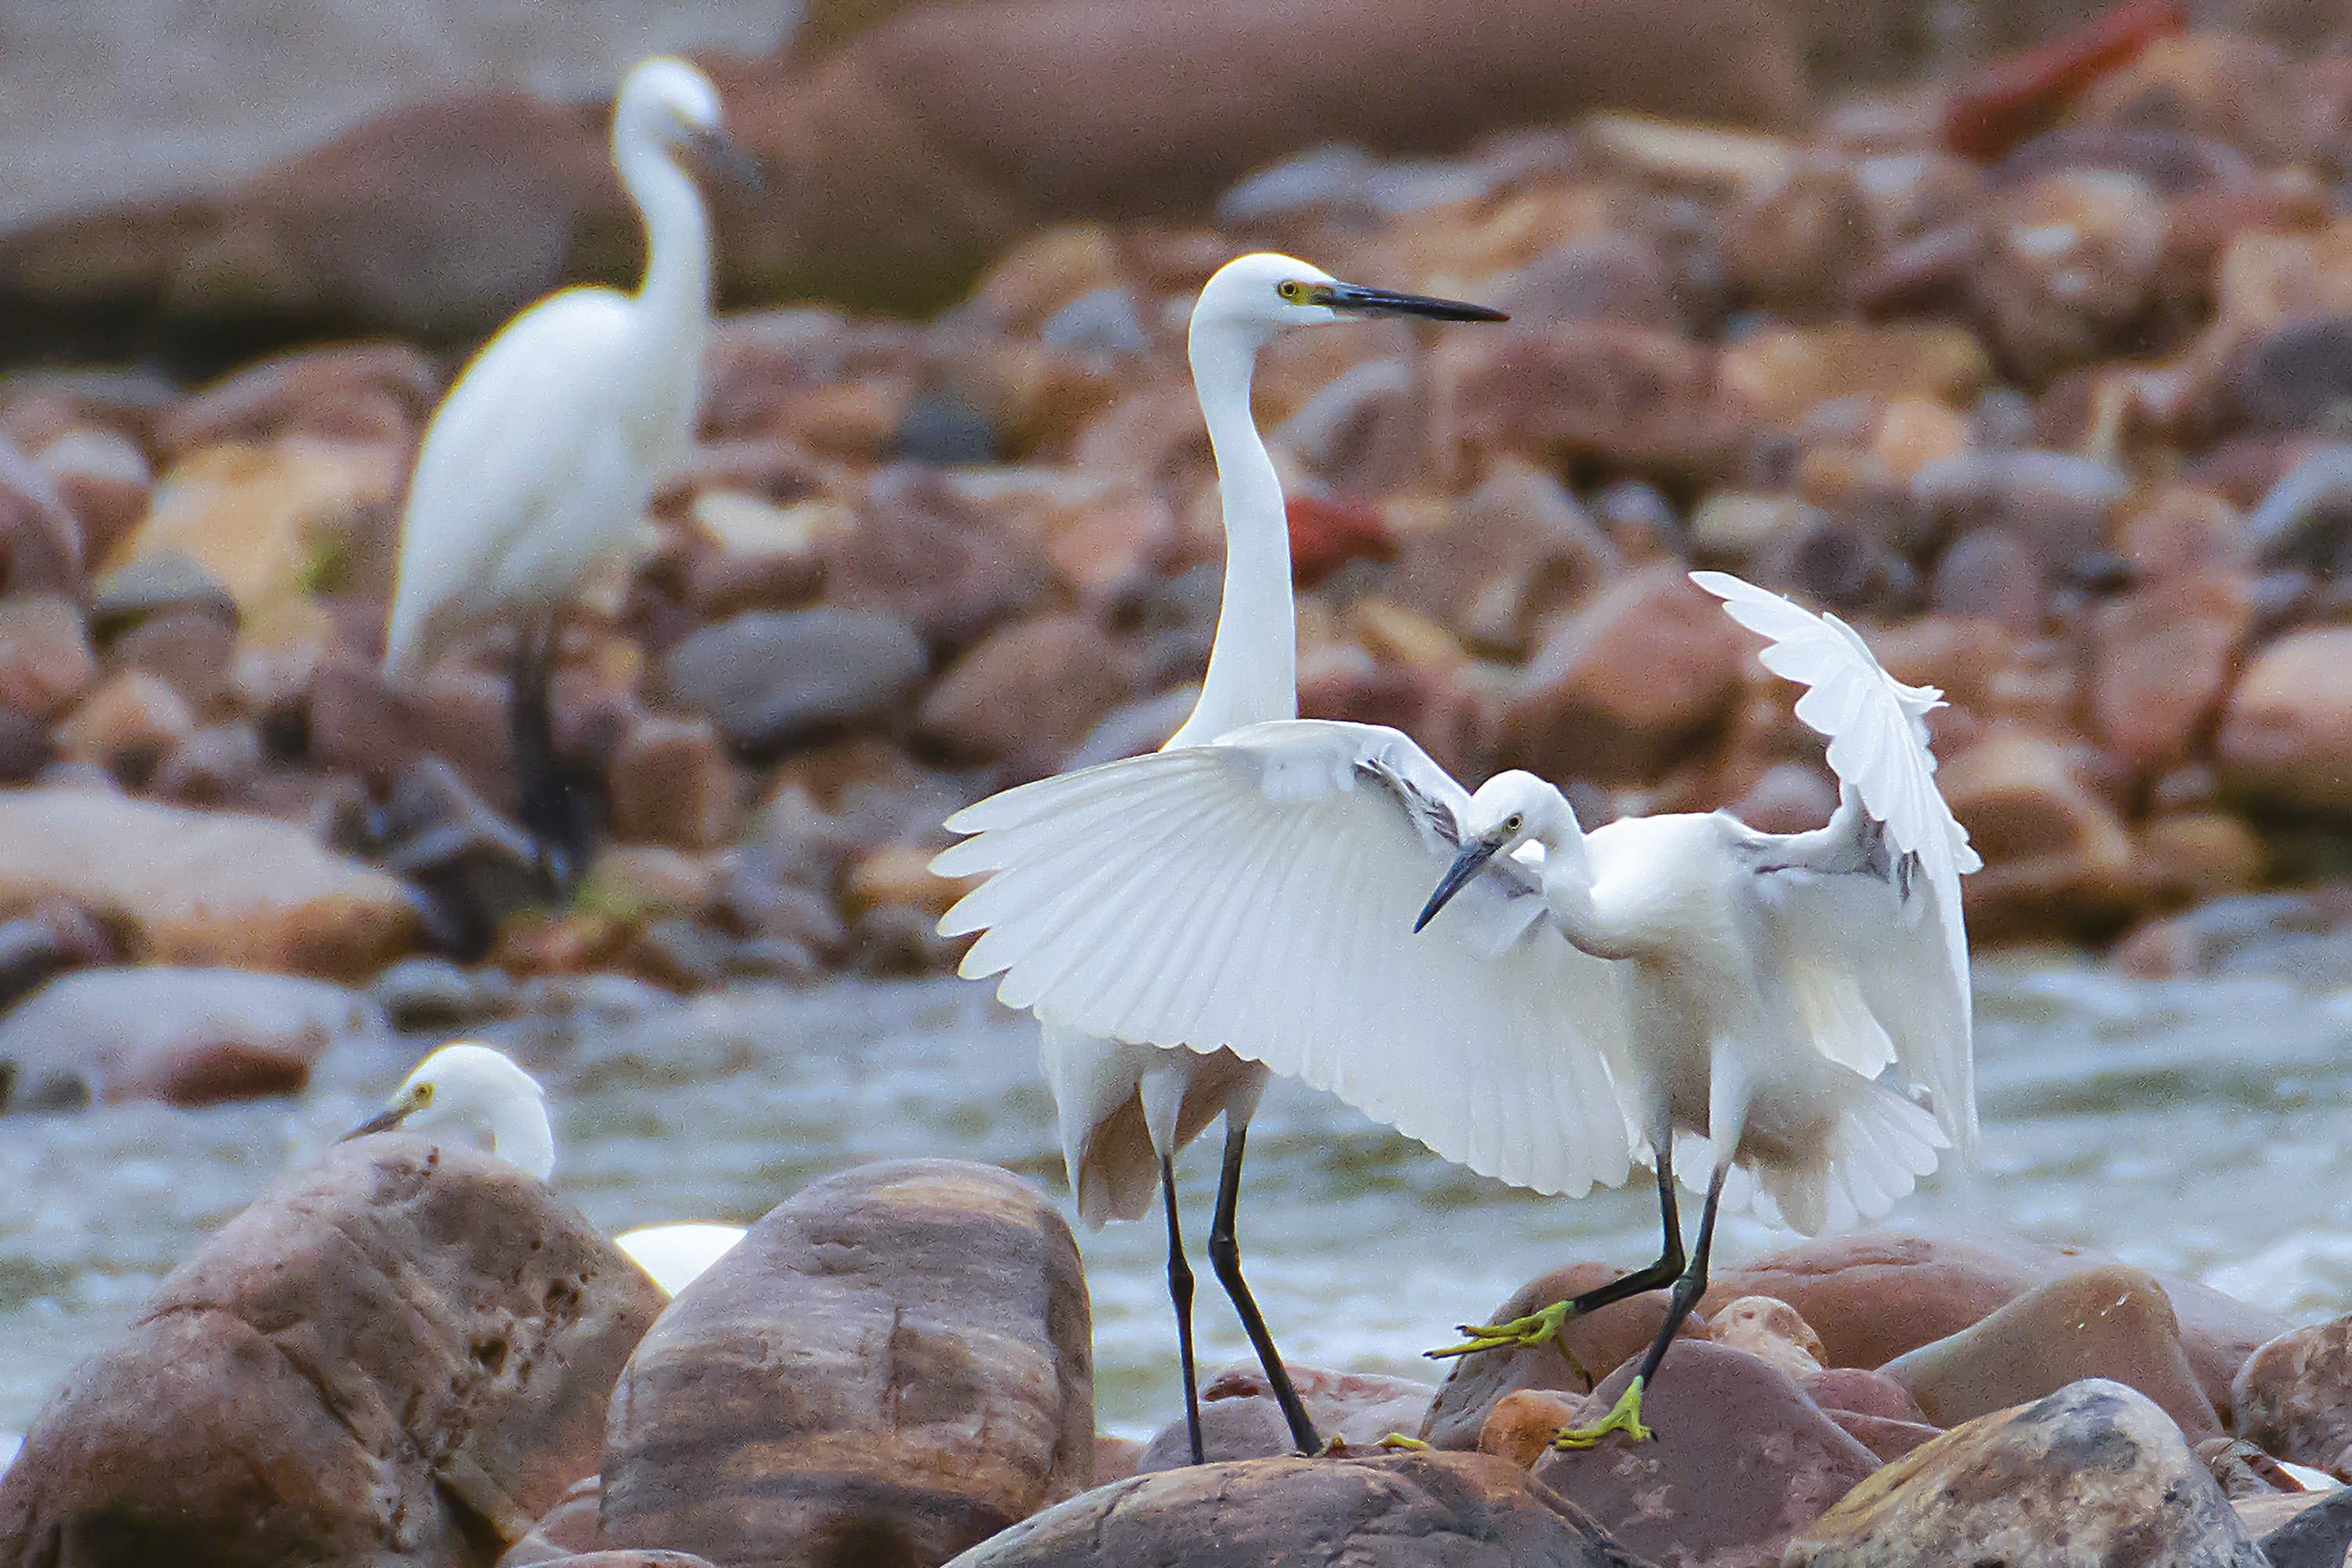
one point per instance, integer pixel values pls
(1901, 950)
(1258, 893)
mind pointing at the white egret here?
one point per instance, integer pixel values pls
(1127, 1107)
(465, 1085)
(539, 463)
(1680, 979)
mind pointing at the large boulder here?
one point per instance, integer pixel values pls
(2093, 1473)
(395, 1356)
(1400, 1511)
(897, 1362)
(2294, 1396)
(203, 887)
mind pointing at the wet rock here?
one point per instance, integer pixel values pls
(127, 728)
(402, 1350)
(1617, 691)
(771, 679)
(2164, 658)
(1742, 1460)
(1406, 1510)
(672, 783)
(1474, 1385)
(2095, 1459)
(1635, 398)
(45, 663)
(203, 887)
(266, 522)
(2110, 1322)
(1517, 551)
(2287, 732)
(923, 552)
(1027, 695)
(184, 1036)
(2294, 1396)
(899, 1355)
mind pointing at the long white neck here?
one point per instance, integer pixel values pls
(1568, 889)
(676, 294)
(1253, 664)
(520, 1134)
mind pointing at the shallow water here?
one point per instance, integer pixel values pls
(2197, 1126)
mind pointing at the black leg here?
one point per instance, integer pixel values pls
(1689, 1288)
(1180, 1291)
(1225, 1255)
(543, 796)
(1658, 1275)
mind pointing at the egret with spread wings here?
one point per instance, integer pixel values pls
(1670, 987)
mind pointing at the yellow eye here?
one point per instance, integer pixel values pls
(1513, 823)
(424, 1094)
(1293, 292)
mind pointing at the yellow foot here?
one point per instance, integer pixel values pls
(1398, 1440)
(1624, 1416)
(1533, 1329)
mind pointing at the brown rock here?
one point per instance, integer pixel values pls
(2164, 655)
(400, 1352)
(1889, 1440)
(204, 888)
(40, 538)
(2054, 852)
(1794, 240)
(366, 395)
(359, 723)
(771, 681)
(1115, 1458)
(2294, 1396)
(1632, 397)
(1769, 1331)
(1027, 695)
(189, 652)
(756, 555)
(1862, 1391)
(1782, 372)
(1517, 551)
(1357, 1409)
(2185, 531)
(923, 552)
(2113, 1321)
(897, 1356)
(266, 522)
(628, 1557)
(1475, 1383)
(1742, 1460)
(2069, 259)
(1402, 1510)
(2287, 732)
(1520, 1426)
(128, 727)
(568, 1527)
(2095, 1455)
(672, 783)
(45, 663)
(1619, 690)
(102, 478)
(1989, 575)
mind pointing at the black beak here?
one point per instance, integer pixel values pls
(1359, 301)
(722, 158)
(384, 1120)
(1466, 864)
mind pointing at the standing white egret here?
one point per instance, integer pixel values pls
(1743, 989)
(464, 1086)
(1127, 1107)
(541, 461)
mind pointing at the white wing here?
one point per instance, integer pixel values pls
(1894, 939)
(1259, 893)
(523, 458)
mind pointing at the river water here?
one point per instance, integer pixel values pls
(2197, 1126)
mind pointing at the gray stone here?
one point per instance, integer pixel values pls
(772, 679)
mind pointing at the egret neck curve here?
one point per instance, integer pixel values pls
(674, 301)
(520, 1133)
(1253, 674)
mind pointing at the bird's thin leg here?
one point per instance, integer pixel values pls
(1180, 1291)
(1551, 1324)
(1226, 1256)
(1626, 1416)
(540, 802)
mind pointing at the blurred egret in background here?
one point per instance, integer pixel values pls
(539, 463)
(1127, 1107)
(1667, 986)
(465, 1085)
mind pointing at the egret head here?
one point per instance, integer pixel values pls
(1510, 809)
(669, 98)
(469, 1086)
(1258, 295)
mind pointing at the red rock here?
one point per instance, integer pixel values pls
(1475, 1384)
(1618, 692)
(1520, 1426)
(1517, 551)
(2054, 851)
(2113, 1322)
(1325, 535)
(2003, 102)
(1890, 1440)
(45, 663)
(2287, 732)
(1027, 695)
(1740, 1461)
(672, 783)
(1357, 1409)
(1637, 398)
(2294, 1396)
(757, 1422)
(128, 727)
(1400, 1511)
(923, 552)
(2164, 658)
(2185, 531)
(361, 724)
(1862, 1392)
(403, 1349)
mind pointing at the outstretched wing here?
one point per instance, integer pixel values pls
(1259, 893)
(1893, 941)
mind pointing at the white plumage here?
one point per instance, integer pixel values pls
(1679, 989)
